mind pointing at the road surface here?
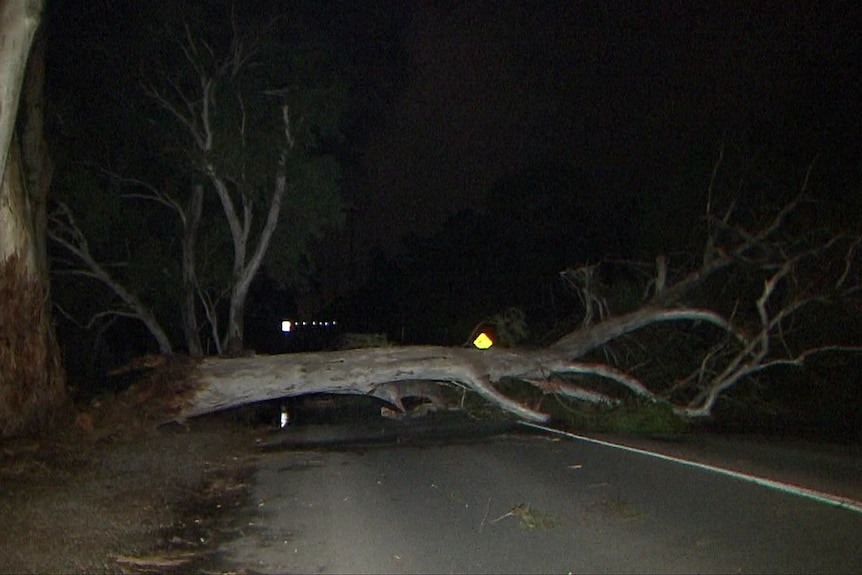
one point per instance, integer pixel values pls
(517, 503)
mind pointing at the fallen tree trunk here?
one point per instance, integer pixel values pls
(223, 383)
(226, 383)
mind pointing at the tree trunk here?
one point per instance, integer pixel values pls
(18, 22)
(190, 281)
(38, 168)
(245, 269)
(236, 320)
(222, 383)
(32, 382)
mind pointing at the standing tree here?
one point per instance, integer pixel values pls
(246, 120)
(32, 382)
(253, 117)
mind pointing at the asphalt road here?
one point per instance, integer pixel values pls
(516, 503)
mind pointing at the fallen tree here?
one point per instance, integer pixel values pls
(746, 306)
(223, 383)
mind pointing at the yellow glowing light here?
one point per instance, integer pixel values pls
(483, 341)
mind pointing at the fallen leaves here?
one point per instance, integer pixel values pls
(528, 517)
(155, 563)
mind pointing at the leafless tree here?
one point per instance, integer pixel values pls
(193, 96)
(227, 133)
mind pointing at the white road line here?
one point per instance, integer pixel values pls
(819, 496)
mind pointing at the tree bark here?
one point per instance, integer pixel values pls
(18, 22)
(32, 382)
(191, 223)
(38, 168)
(236, 320)
(222, 383)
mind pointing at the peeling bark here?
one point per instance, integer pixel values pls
(32, 381)
(18, 22)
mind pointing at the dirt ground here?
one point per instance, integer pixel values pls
(120, 494)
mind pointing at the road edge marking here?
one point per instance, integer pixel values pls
(820, 496)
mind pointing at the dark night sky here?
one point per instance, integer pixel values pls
(629, 89)
(622, 88)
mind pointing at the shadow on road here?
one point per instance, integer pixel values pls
(442, 427)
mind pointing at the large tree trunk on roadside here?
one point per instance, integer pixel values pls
(38, 168)
(32, 382)
(18, 22)
(223, 383)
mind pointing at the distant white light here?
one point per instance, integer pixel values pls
(286, 326)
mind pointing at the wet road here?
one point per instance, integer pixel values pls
(518, 503)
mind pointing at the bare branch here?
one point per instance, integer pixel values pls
(288, 136)
(91, 322)
(154, 195)
(557, 387)
(210, 305)
(67, 234)
(849, 259)
(579, 343)
(660, 273)
(605, 371)
(712, 177)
